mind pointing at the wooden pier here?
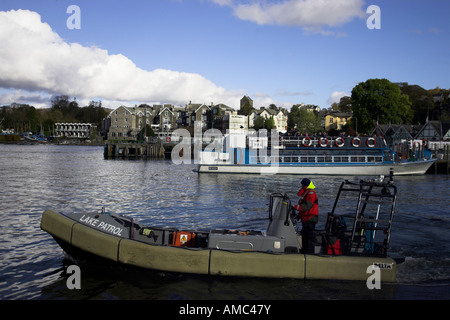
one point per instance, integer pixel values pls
(125, 150)
(442, 164)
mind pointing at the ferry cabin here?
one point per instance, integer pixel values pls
(313, 156)
(319, 151)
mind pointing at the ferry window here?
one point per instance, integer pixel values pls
(308, 156)
(323, 155)
(340, 155)
(295, 154)
(262, 160)
(373, 152)
(358, 156)
(388, 156)
(290, 155)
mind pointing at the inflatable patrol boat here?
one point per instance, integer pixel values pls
(356, 238)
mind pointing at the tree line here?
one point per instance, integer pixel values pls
(381, 101)
(26, 118)
(373, 101)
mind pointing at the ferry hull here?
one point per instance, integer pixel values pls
(407, 168)
(71, 234)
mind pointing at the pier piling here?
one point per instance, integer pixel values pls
(126, 150)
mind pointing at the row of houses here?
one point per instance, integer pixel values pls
(431, 131)
(127, 122)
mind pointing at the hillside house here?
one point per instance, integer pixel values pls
(337, 120)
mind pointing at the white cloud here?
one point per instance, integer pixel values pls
(36, 99)
(34, 58)
(312, 15)
(336, 97)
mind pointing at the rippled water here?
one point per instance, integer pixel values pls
(76, 178)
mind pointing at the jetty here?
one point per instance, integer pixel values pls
(441, 151)
(134, 150)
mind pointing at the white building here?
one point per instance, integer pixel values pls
(74, 130)
(279, 116)
(236, 123)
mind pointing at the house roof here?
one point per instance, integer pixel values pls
(200, 106)
(130, 110)
(166, 107)
(340, 114)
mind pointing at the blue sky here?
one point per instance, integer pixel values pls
(175, 51)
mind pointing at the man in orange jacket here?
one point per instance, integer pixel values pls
(308, 212)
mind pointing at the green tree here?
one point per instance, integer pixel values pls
(269, 123)
(68, 108)
(33, 119)
(259, 123)
(344, 105)
(147, 131)
(304, 121)
(93, 113)
(379, 100)
(422, 103)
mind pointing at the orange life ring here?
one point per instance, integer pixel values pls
(323, 142)
(371, 142)
(341, 143)
(306, 139)
(358, 142)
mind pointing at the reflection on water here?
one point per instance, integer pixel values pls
(76, 178)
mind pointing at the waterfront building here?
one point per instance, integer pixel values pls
(165, 117)
(122, 123)
(434, 130)
(200, 113)
(74, 130)
(220, 117)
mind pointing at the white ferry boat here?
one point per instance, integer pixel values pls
(368, 156)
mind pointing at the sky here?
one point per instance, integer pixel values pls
(281, 52)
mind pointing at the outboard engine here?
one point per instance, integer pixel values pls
(280, 224)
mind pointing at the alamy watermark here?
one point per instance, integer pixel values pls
(74, 280)
(374, 20)
(74, 20)
(374, 279)
(213, 147)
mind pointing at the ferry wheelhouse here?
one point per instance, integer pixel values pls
(311, 155)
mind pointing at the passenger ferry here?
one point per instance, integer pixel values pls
(312, 156)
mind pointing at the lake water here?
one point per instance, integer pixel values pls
(77, 178)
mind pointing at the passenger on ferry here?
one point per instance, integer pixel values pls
(308, 213)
